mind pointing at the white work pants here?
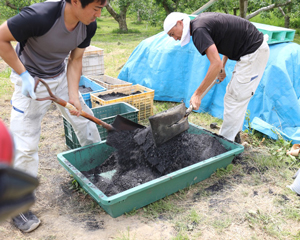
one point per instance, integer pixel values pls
(246, 76)
(26, 117)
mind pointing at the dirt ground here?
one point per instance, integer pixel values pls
(224, 206)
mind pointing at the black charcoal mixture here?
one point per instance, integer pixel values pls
(137, 160)
(84, 89)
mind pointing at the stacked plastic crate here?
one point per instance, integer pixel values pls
(93, 61)
(137, 95)
(107, 114)
(93, 78)
(276, 34)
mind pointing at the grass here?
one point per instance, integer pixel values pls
(6, 88)
(161, 207)
(126, 235)
(118, 47)
(264, 170)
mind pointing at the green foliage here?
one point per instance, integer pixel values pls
(271, 19)
(131, 213)
(154, 210)
(181, 236)
(247, 117)
(295, 23)
(12, 7)
(76, 187)
(148, 11)
(224, 171)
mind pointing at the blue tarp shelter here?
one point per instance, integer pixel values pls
(174, 72)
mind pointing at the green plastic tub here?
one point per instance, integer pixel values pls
(107, 114)
(86, 158)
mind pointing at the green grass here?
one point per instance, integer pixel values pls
(118, 47)
(126, 235)
(6, 87)
(108, 31)
(158, 208)
(273, 20)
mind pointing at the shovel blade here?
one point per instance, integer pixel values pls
(123, 124)
(168, 124)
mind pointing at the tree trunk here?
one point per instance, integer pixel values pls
(243, 8)
(120, 18)
(267, 8)
(205, 6)
(286, 16)
(167, 8)
(122, 22)
(287, 21)
(235, 11)
(139, 16)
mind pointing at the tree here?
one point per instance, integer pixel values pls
(168, 5)
(122, 6)
(10, 8)
(147, 10)
(244, 5)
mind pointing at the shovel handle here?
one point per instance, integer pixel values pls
(86, 115)
(209, 87)
(190, 109)
(69, 106)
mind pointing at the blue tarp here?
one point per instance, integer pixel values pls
(174, 72)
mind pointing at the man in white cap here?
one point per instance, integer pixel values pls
(236, 39)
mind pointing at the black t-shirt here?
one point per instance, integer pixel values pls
(44, 40)
(233, 36)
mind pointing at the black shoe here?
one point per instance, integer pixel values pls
(237, 138)
(26, 222)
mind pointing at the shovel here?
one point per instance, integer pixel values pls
(168, 124)
(120, 123)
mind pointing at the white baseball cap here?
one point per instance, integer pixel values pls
(171, 21)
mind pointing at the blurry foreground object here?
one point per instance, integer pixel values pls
(294, 150)
(296, 184)
(16, 187)
(6, 145)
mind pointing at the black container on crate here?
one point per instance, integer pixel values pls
(92, 86)
(136, 95)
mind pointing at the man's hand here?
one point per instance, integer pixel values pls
(27, 85)
(195, 101)
(222, 75)
(76, 103)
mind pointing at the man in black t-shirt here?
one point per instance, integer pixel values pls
(236, 39)
(47, 33)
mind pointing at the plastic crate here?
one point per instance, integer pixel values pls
(142, 101)
(84, 81)
(87, 158)
(109, 82)
(93, 61)
(276, 34)
(107, 114)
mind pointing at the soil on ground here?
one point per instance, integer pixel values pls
(243, 205)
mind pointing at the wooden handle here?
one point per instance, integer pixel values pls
(207, 89)
(84, 114)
